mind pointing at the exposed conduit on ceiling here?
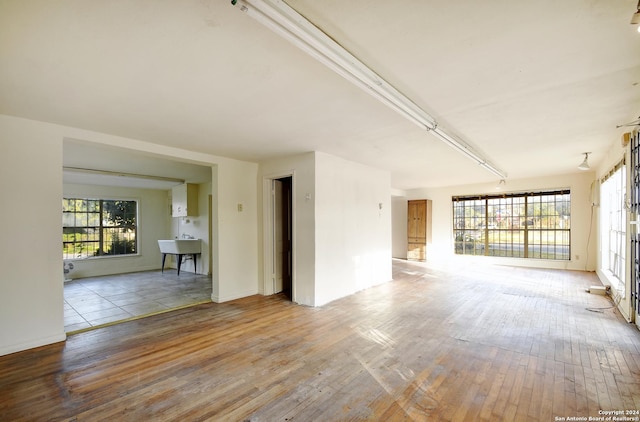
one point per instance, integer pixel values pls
(121, 174)
(286, 22)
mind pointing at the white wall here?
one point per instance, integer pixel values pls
(583, 226)
(153, 225)
(353, 227)
(196, 226)
(31, 280)
(237, 231)
(614, 155)
(341, 236)
(31, 283)
(399, 210)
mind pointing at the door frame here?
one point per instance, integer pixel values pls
(268, 238)
(632, 203)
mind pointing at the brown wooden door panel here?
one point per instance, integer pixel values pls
(418, 216)
(416, 219)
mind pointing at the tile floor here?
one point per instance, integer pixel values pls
(94, 301)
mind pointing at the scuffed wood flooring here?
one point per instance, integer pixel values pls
(477, 343)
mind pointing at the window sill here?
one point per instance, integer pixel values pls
(90, 258)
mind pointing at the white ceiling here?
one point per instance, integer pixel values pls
(532, 85)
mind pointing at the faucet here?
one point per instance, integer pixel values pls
(187, 236)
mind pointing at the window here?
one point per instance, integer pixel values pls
(97, 227)
(613, 222)
(522, 225)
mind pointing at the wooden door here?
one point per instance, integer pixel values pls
(282, 236)
(278, 237)
(417, 229)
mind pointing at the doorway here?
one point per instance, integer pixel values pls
(278, 235)
(282, 235)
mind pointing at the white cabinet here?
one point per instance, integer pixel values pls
(184, 200)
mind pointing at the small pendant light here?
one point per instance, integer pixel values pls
(585, 164)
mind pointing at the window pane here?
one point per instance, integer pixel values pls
(613, 222)
(93, 227)
(528, 225)
(469, 216)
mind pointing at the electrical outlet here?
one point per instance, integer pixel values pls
(240, 207)
(577, 257)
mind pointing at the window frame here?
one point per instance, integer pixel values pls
(538, 221)
(613, 225)
(91, 226)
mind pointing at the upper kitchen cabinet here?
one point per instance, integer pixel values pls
(184, 200)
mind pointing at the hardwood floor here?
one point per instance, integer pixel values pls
(476, 343)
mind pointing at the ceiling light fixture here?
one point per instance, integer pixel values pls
(286, 22)
(585, 164)
(636, 122)
(501, 184)
(635, 19)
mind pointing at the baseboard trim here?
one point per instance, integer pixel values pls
(234, 296)
(32, 344)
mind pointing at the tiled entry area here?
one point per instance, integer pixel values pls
(89, 302)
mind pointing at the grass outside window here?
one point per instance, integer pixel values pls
(98, 227)
(522, 225)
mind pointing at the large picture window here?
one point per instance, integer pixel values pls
(522, 225)
(613, 223)
(97, 227)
